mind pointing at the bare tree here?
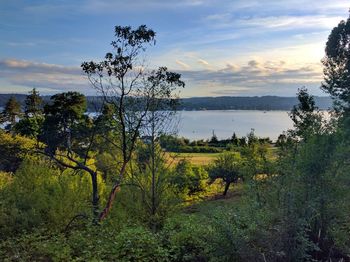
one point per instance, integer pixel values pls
(125, 83)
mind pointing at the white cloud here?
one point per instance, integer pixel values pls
(203, 62)
(256, 77)
(182, 64)
(47, 76)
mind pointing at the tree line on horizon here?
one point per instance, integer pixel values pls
(205, 103)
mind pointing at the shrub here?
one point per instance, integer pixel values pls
(40, 195)
(186, 237)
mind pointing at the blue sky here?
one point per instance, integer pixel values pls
(221, 47)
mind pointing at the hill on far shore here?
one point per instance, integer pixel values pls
(210, 103)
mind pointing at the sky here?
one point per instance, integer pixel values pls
(220, 47)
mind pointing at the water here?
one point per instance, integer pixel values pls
(200, 124)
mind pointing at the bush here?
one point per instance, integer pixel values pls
(186, 237)
(39, 195)
(13, 149)
(139, 244)
(188, 179)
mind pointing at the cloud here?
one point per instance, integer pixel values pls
(256, 77)
(42, 75)
(104, 6)
(182, 64)
(272, 22)
(24, 66)
(203, 62)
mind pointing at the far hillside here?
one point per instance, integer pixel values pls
(211, 103)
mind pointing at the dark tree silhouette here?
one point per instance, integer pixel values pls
(337, 64)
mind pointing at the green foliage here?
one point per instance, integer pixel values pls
(337, 64)
(138, 244)
(196, 149)
(33, 104)
(5, 179)
(187, 238)
(107, 164)
(104, 243)
(305, 116)
(13, 150)
(40, 195)
(188, 179)
(226, 167)
(37, 246)
(62, 116)
(29, 126)
(238, 234)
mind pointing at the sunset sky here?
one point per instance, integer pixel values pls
(221, 47)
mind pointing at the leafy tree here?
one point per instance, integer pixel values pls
(124, 82)
(188, 179)
(227, 167)
(305, 116)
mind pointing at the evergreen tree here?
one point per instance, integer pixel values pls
(305, 116)
(337, 64)
(234, 139)
(33, 103)
(11, 111)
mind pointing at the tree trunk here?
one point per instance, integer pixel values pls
(95, 197)
(227, 185)
(112, 194)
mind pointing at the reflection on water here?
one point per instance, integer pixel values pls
(200, 124)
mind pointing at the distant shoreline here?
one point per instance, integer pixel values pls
(261, 103)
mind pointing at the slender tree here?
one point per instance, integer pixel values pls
(124, 82)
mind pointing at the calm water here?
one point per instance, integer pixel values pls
(200, 124)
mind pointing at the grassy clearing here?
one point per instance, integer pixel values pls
(201, 159)
(194, 158)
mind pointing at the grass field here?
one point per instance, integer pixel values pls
(194, 158)
(207, 158)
